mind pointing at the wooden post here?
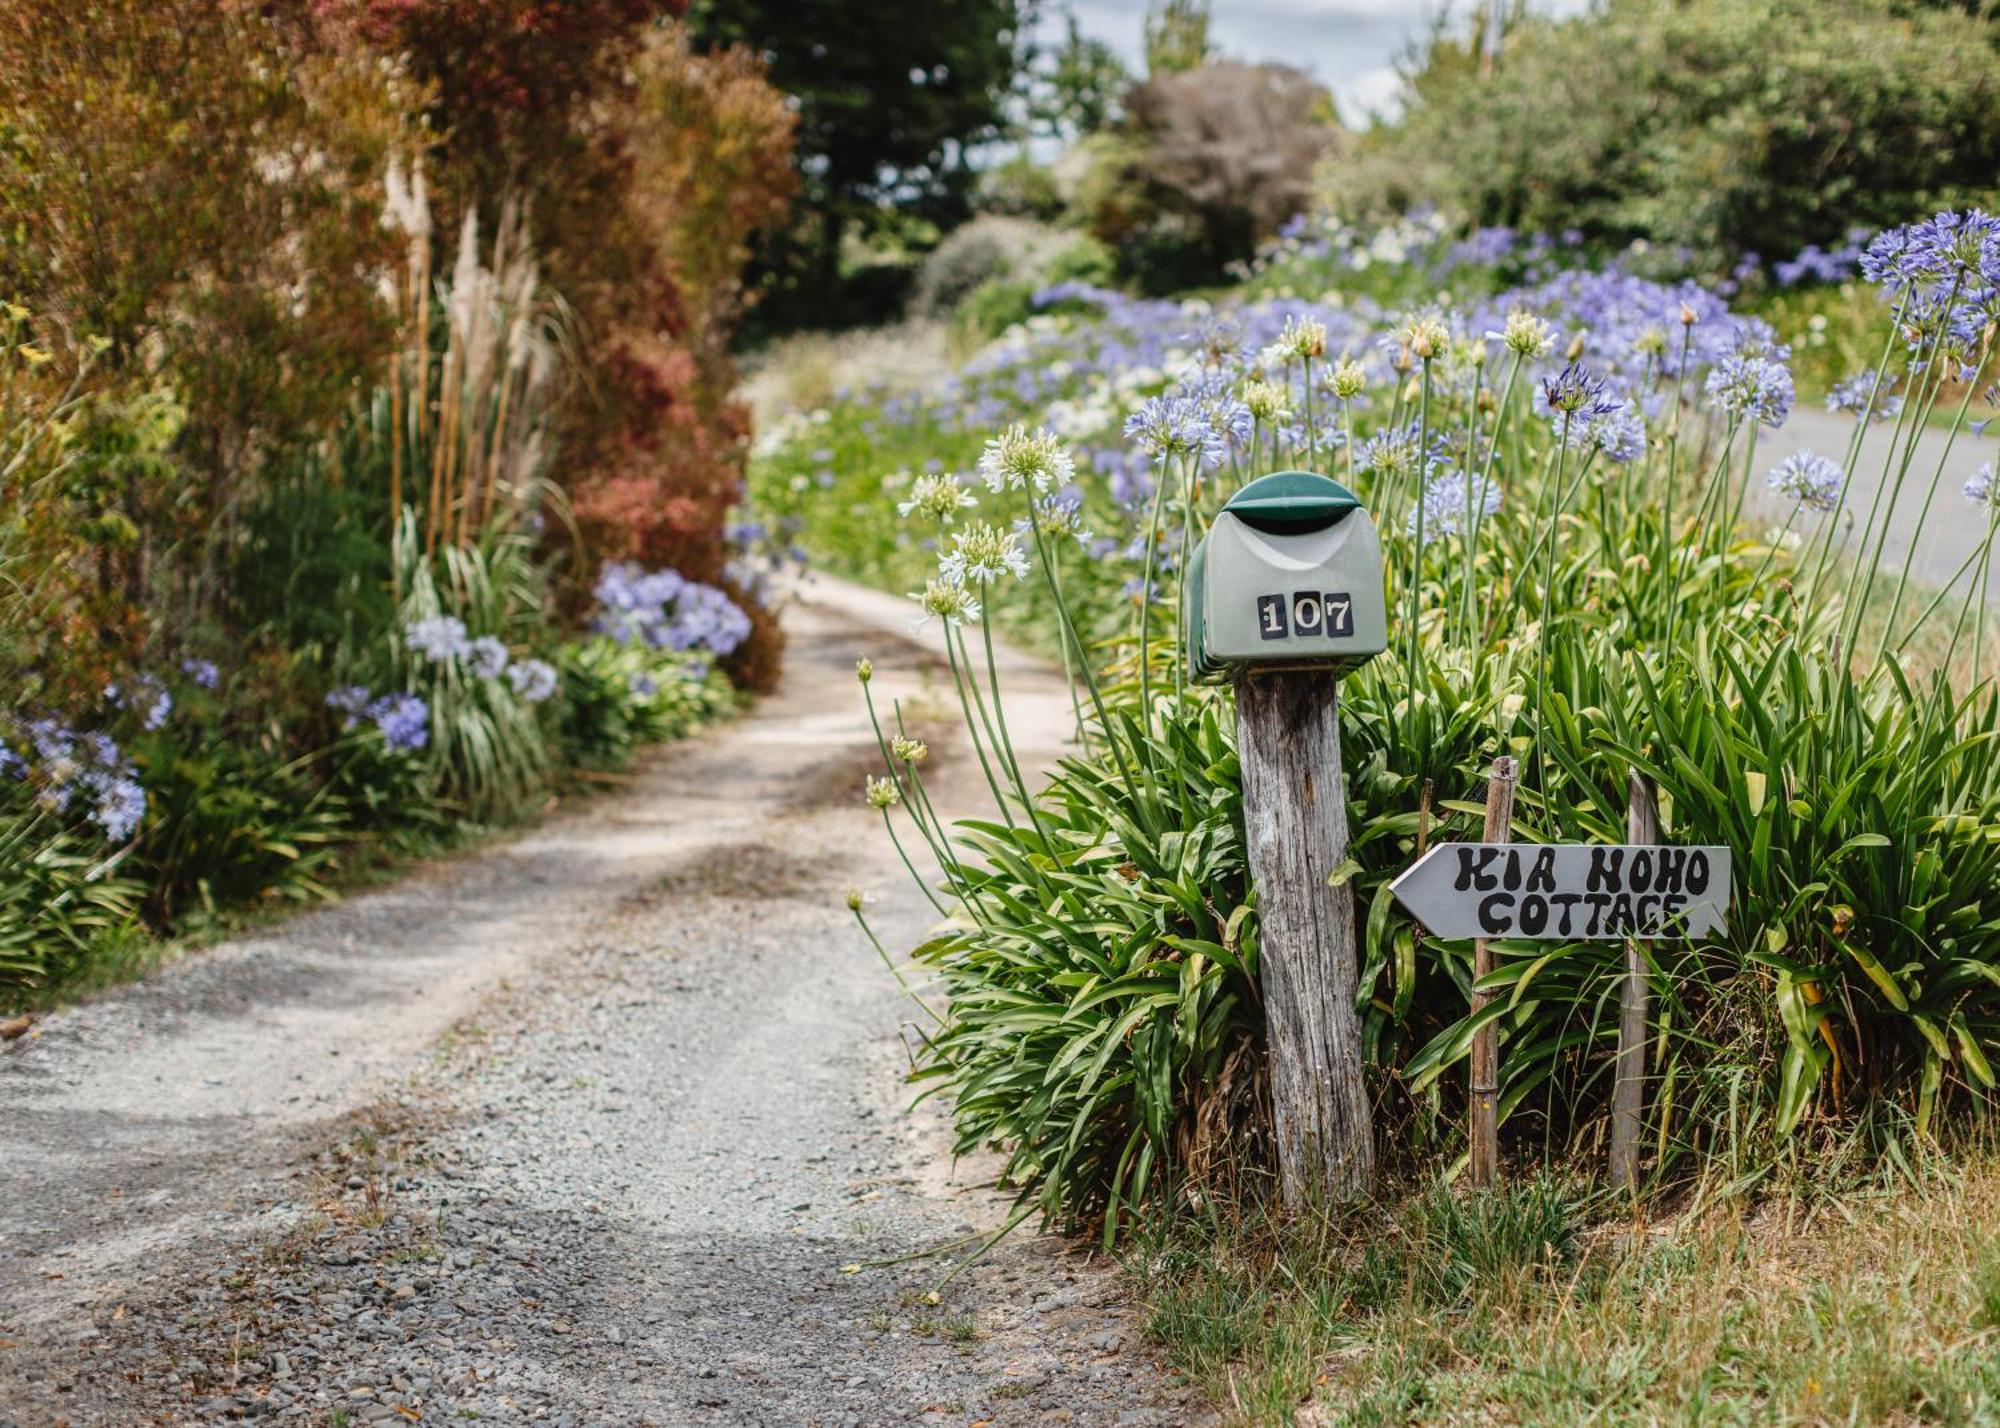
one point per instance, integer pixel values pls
(1295, 814)
(1485, 1080)
(1642, 826)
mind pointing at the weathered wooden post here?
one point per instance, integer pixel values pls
(1642, 827)
(1295, 815)
(1283, 595)
(1484, 1090)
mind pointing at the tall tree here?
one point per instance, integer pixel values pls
(891, 96)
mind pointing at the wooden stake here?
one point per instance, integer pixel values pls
(1642, 826)
(1485, 1087)
(1295, 814)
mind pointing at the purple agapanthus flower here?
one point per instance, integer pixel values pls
(1176, 426)
(488, 655)
(1754, 387)
(1445, 502)
(1853, 395)
(404, 719)
(438, 638)
(534, 680)
(1812, 480)
(203, 672)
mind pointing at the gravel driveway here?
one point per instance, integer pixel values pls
(604, 1125)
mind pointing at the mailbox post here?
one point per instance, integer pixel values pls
(1283, 595)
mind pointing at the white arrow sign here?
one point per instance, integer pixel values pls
(1567, 892)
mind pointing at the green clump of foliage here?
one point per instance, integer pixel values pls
(1720, 126)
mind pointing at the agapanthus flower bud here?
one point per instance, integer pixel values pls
(1303, 338)
(910, 751)
(1687, 315)
(935, 498)
(864, 669)
(1349, 379)
(1425, 335)
(1527, 335)
(1269, 402)
(1575, 349)
(855, 899)
(883, 793)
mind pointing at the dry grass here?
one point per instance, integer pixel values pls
(802, 373)
(1878, 1308)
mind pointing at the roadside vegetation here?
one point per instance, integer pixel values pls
(366, 440)
(1604, 558)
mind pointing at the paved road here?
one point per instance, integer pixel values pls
(592, 1128)
(1954, 528)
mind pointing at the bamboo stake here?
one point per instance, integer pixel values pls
(1485, 1084)
(1642, 828)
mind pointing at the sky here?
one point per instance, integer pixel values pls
(1348, 45)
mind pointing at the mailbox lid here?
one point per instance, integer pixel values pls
(1292, 503)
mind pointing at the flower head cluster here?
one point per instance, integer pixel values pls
(1619, 435)
(1854, 394)
(1447, 496)
(1018, 458)
(1576, 394)
(1526, 335)
(203, 672)
(981, 553)
(1393, 452)
(488, 656)
(87, 771)
(1812, 480)
(403, 720)
(883, 794)
(1172, 426)
(1424, 335)
(534, 680)
(935, 498)
(438, 638)
(945, 600)
(1348, 381)
(1752, 386)
(910, 751)
(1267, 402)
(665, 611)
(145, 693)
(1301, 339)
(1060, 513)
(1979, 486)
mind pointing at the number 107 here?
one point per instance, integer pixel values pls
(1306, 614)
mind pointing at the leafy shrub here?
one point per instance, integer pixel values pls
(1721, 125)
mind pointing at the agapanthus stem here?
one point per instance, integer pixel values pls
(931, 896)
(894, 970)
(1854, 443)
(1930, 496)
(1146, 610)
(958, 680)
(1417, 553)
(1548, 615)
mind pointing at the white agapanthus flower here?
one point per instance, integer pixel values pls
(1018, 458)
(980, 554)
(935, 498)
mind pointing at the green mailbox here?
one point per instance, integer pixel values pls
(1288, 577)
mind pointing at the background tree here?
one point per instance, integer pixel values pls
(1177, 36)
(892, 99)
(1080, 89)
